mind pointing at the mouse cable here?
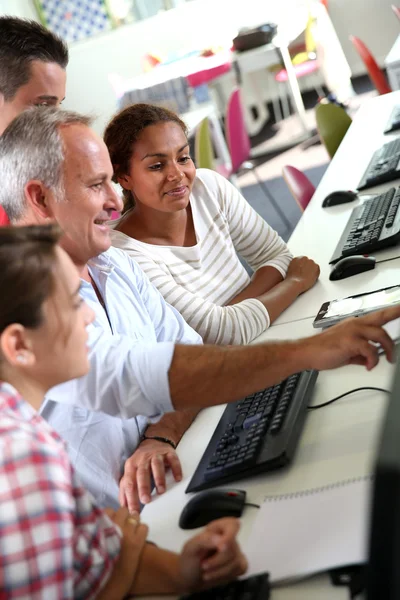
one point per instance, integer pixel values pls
(251, 504)
(378, 262)
(376, 389)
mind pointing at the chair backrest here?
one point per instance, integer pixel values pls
(396, 11)
(332, 124)
(203, 149)
(4, 220)
(299, 185)
(236, 133)
(375, 73)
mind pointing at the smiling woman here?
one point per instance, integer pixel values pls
(185, 227)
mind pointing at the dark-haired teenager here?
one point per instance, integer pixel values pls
(55, 541)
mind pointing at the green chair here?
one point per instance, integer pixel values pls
(332, 124)
(203, 149)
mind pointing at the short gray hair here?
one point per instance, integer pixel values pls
(32, 148)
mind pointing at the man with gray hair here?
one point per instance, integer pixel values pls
(144, 359)
(60, 157)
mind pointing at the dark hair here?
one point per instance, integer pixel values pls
(123, 131)
(27, 269)
(21, 42)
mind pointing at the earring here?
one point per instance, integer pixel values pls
(21, 359)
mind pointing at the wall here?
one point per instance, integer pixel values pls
(198, 24)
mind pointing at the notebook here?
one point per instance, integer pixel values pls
(295, 535)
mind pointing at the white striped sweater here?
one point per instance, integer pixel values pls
(199, 280)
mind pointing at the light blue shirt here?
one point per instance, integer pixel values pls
(131, 349)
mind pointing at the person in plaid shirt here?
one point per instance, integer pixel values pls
(54, 541)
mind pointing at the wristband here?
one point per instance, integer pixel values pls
(159, 439)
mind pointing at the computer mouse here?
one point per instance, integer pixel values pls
(352, 265)
(210, 505)
(339, 197)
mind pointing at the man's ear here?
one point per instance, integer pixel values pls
(37, 197)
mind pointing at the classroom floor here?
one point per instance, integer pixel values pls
(313, 160)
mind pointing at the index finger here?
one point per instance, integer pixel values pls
(129, 492)
(381, 317)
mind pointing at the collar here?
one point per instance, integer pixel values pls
(102, 262)
(11, 399)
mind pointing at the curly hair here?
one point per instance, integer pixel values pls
(123, 131)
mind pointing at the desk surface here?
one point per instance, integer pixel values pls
(338, 441)
(319, 229)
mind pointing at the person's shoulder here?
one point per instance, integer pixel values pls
(210, 186)
(29, 448)
(209, 178)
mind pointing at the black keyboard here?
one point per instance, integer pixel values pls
(393, 123)
(373, 225)
(252, 588)
(256, 434)
(384, 165)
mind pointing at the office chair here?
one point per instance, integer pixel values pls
(374, 72)
(299, 185)
(203, 150)
(332, 124)
(4, 220)
(239, 147)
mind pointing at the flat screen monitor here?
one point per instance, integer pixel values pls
(383, 569)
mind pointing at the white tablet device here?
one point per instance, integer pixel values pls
(355, 306)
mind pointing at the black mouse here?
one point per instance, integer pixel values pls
(339, 197)
(210, 505)
(352, 265)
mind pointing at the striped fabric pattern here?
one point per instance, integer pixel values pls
(199, 281)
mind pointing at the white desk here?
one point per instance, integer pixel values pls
(334, 69)
(338, 441)
(319, 229)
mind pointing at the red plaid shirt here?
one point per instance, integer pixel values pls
(54, 541)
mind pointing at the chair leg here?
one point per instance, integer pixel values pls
(272, 199)
(285, 101)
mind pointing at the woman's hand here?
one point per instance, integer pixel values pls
(212, 557)
(304, 271)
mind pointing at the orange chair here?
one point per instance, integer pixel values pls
(4, 220)
(299, 185)
(396, 11)
(375, 73)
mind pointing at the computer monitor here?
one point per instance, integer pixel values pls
(383, 569)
